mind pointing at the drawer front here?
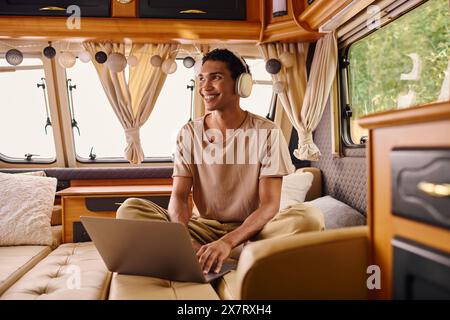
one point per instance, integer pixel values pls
(89, 8)
(113, 203)
(74, 207)
(419, 272)
(184, 9)
(420, 181)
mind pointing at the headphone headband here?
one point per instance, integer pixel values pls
(244, 64)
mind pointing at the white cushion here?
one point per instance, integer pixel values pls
(338, 214)
(295, 187)
(26, 204)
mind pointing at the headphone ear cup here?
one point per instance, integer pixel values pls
(244, 85)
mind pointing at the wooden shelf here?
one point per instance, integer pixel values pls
(286, 28)
(138, 30)
(431, 112)
(289, 31)
(116, 190)
(320, 11)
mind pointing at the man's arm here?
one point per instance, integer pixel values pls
(218, 251)
(178, 209)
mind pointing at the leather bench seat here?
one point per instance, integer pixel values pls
(72, 271)
(129, 287)
(227, 287)
(15, 261)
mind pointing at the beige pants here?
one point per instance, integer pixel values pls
(292, 220)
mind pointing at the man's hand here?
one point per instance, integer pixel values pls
(213, 253)
(196, 245)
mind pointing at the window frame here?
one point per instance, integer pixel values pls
(11, 160)
(117, 160)
(271, 113)
(343, 64)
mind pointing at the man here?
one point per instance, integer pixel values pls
(234, 162)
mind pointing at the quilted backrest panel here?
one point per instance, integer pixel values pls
(344, 178)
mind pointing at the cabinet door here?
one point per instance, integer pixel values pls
(420, 184)
(88, 8)
(419, 272)
(193, 9)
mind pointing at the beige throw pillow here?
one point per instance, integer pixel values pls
(294, 188)
(26, 204)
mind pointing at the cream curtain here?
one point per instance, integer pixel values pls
(199, 106)
(134, 101)
(293, 78)
(303, 101)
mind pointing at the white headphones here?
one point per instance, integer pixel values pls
(244, 83)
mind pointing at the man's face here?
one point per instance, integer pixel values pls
(216, 86)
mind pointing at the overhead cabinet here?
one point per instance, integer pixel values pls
(193, 9)
(87, 8)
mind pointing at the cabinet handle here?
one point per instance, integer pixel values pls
(52, 9)
(435, 190)
(193, 11)
(118, 203)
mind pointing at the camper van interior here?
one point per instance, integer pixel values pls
(348, 197)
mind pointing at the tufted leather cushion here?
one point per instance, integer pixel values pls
(128, 287)
(228, 286)
(15, 261)
(72, 271)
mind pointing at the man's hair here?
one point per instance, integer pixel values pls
(234, 64)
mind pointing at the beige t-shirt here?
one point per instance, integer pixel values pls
(226, 174)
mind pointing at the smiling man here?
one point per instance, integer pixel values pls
(234, 162)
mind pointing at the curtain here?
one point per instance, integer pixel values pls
(303, 101)
(199, 106)
(293, 78)
(134, 101)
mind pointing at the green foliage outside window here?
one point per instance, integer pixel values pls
(378, 61)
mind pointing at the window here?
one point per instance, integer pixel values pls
(171, 112)
(25, 135)
(402, 64)
(261, 101)
(101, 131)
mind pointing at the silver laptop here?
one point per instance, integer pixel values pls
(148, 248)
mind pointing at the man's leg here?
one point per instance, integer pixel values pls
(202, 230)
(293, 220)
(136, 208)
(206, 230)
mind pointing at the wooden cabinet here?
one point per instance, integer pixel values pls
(125, 24)
(287, 27)
(410, 244)
(193, 9)
(102, 201)
(88, 8)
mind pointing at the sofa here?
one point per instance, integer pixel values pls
(330, 264)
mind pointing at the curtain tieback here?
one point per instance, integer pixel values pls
(132, 136)
(305, 138)
(307, 150)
